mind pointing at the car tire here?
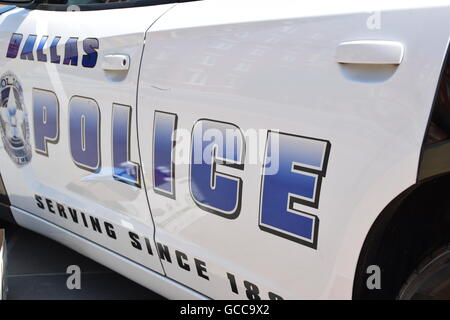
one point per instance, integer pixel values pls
(431, 279)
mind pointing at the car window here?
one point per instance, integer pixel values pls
(81, 2)
(86, 5)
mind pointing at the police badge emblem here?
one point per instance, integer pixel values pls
(14, 126)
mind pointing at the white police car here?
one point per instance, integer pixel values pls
(228, 149)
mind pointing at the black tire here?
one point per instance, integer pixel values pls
(3, 286)
(431, 279)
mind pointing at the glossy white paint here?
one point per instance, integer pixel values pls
(260, 65)
(275, 68)
(147, 278)
(56, 176)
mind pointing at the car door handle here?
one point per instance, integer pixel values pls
(116, 62)
(370, 52)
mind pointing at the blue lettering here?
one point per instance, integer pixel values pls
(90, 58)
(164, 127)
(123, 169)
(14, 44)
(71, 52)
(213, 191)
(296, 181)
(45, 119)
(84, 133)
(27, 51)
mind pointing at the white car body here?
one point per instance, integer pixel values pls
(258, 65)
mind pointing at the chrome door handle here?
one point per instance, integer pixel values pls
(116, 62)
(370, 52)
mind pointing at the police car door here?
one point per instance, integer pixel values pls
(265, 125)
(68, 121)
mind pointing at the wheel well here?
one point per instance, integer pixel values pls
(409, 228)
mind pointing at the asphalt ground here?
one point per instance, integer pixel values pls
(37, 270)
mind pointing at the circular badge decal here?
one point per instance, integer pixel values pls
(14, 126)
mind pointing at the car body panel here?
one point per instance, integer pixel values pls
(263, 67)
(275, 69)
(52, 173)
